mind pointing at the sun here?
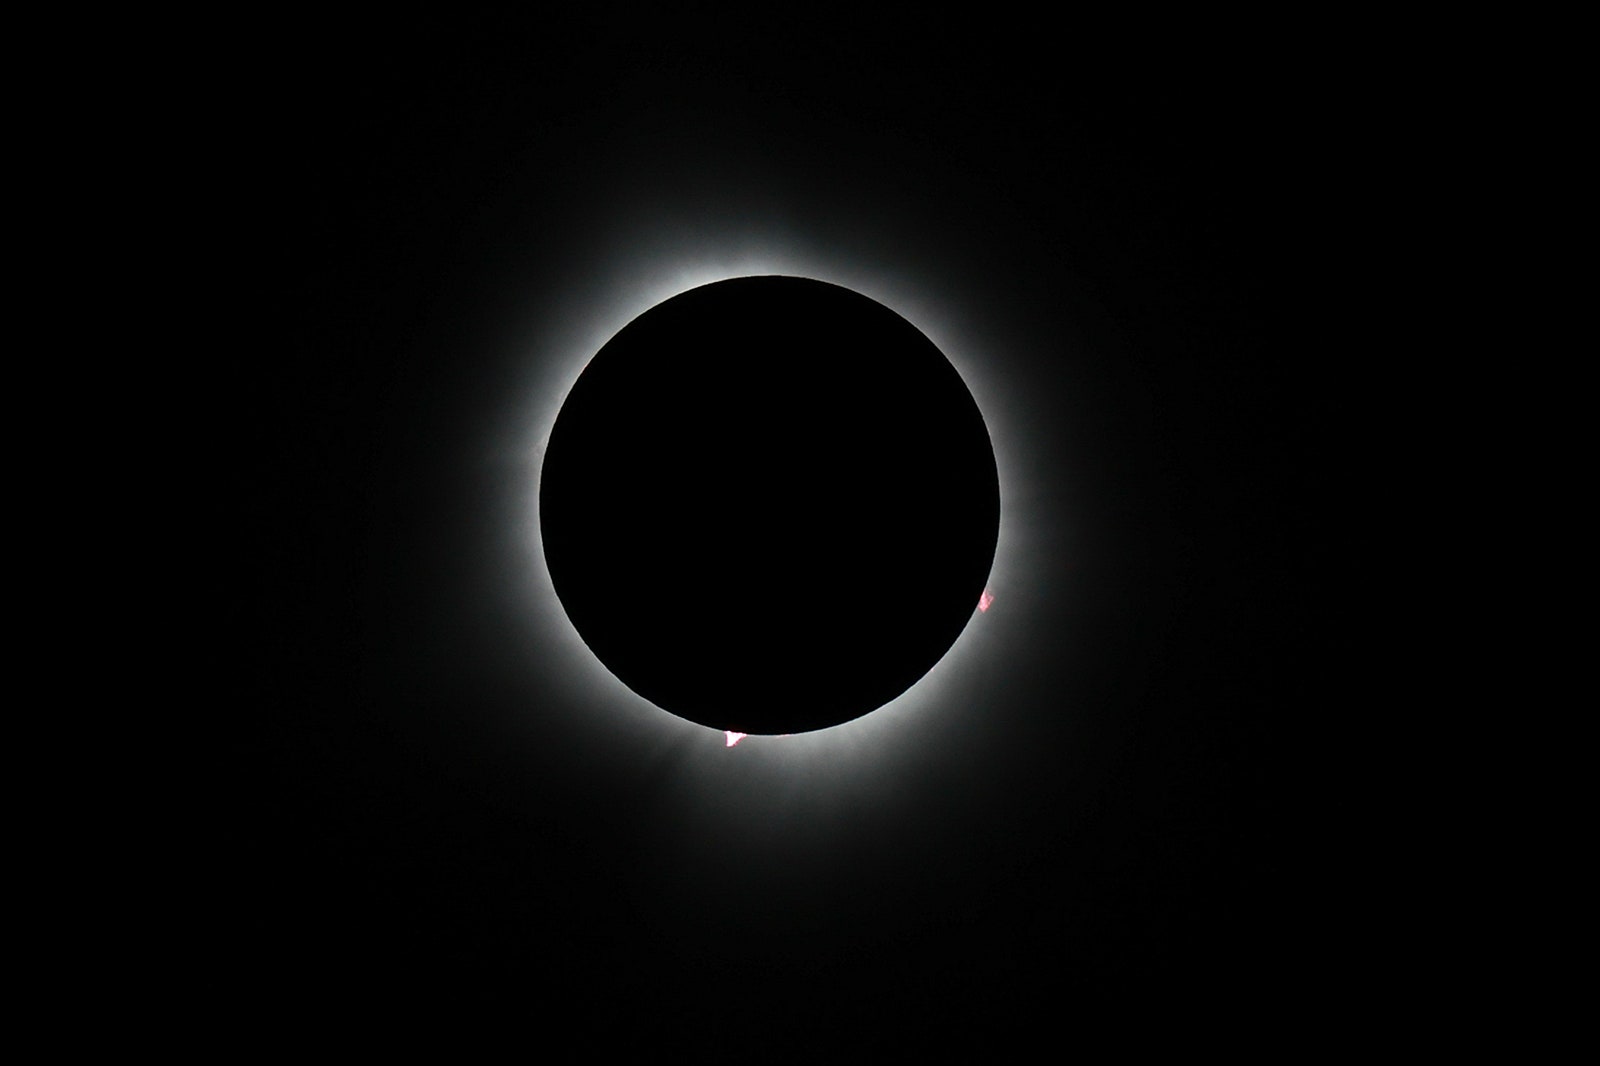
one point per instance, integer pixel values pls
(565, 330)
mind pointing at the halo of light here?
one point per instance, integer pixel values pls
(858, 762)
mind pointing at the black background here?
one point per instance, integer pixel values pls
(1120, 821)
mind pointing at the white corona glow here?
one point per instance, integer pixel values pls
(647, 265)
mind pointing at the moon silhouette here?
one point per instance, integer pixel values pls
(769, 505)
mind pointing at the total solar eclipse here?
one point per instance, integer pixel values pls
(769, 505)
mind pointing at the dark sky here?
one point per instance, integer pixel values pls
(427, 795)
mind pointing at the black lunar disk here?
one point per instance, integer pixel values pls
(769, 505)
